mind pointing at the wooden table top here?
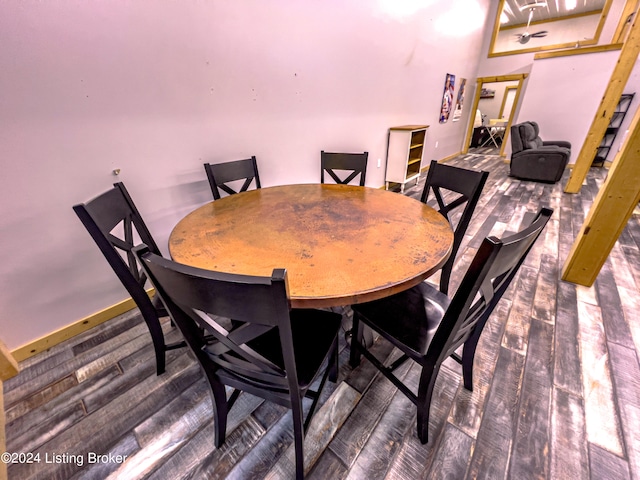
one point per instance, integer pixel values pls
(340, 244)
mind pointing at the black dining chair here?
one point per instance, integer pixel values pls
(220, 175)
(102, 217)
(427, 329)
(256, 342)
(355, 163)
(453, 187)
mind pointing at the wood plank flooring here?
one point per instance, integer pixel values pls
(556, 384)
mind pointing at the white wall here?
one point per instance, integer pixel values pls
(562, 94)
(566, 111)
(156, 88)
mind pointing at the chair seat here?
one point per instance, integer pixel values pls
(313, 333)
(410, 317)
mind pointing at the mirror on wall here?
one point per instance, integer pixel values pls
(529, 26)
(494, 103)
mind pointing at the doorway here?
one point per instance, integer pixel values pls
(494, 104)
(508, 101)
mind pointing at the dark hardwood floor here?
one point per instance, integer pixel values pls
(556, 384)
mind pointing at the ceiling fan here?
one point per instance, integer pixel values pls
(526, 36)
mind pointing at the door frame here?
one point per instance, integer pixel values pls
(480, 81)
(507, 89)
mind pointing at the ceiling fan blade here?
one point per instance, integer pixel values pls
(541, 33)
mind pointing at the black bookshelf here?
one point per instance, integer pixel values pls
(612, 130)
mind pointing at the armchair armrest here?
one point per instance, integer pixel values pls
(549, 152)
(558, 143)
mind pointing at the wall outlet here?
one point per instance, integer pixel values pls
(379, 162)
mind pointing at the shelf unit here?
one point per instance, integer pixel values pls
(612, 130)
(404, 154)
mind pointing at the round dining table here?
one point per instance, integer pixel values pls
(340, 244)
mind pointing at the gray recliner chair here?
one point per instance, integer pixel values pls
(535, 159)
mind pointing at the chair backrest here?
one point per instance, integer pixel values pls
(221, 174)
(112, 220)
(536, 127)
(206, 300)
(525, 136)
(453, 187)
(529, 134)
(516, 139)
(489, 275)
(356, 163)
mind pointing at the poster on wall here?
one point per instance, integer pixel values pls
(459, 101)
(447, 98)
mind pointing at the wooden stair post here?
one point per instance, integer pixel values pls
(609, 214)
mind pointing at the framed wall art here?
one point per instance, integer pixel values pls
(459, 101)
(447, 97)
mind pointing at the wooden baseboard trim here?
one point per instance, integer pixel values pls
(54, 338)
(450, 157)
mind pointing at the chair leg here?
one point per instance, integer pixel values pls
(160, 360)
(445, 278)
(298, 437)
(356, 341)
(468, 353)
(220, 409)
(334, 362)
(425, 392)
(157, 337)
